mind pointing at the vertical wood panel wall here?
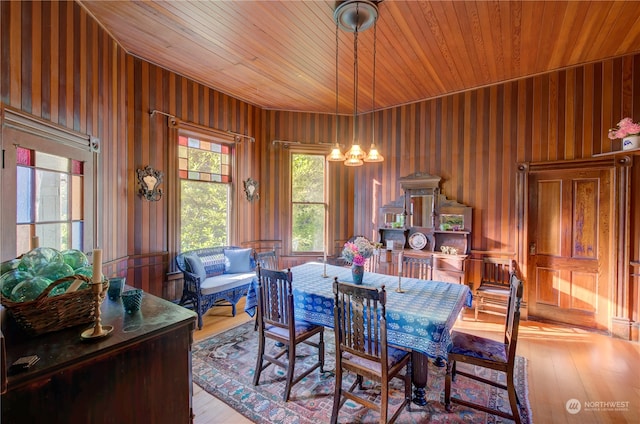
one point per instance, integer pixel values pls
(318, 131)
(151, 142)
(58, 64)
(475, 139)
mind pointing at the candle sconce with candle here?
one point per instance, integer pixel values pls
(99, 288)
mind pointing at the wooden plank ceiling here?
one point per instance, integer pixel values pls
(281, 55)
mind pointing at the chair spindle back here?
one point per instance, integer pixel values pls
(360, 320)
(275, 303)
(417, 267)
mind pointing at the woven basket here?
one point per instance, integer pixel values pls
(46, 314)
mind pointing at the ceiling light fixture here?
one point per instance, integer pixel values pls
(356, 16)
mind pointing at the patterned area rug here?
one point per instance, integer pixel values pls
(223, 365)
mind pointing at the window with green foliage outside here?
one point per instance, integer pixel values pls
(308, 202)
(205, 182)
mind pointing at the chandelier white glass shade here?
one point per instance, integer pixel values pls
(355, 16)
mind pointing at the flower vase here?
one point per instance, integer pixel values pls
(357, 272)
(631, 142)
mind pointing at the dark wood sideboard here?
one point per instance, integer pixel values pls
(425, 213)
(140, 373)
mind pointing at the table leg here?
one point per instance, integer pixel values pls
(440, 362)
(419, 368)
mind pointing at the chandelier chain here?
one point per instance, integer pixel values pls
(373, 89)
(355, 75)
(337, 83)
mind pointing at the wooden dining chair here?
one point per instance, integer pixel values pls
(494, 289)
(361, 348)
(372, 263)
(276, 321)
(420, 267)
(267, 259)
(488, 353)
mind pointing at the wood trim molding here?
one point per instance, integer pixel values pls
(623, 301)
(17, 119)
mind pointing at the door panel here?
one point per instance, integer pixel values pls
(549, 207)
(570, 216)
(585, 221)
(546, 286)
(583, 291)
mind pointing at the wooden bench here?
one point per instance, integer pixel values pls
(216, 276)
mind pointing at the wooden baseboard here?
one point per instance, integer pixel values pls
(621, 328)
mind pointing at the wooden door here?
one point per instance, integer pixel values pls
(570, 227)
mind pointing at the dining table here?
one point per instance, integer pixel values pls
(420, 315)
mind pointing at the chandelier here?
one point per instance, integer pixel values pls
(356, 16)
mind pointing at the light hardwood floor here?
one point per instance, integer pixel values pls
(563, 363)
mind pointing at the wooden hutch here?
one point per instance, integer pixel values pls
(424, 222)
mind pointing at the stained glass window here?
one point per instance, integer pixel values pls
(204, 160)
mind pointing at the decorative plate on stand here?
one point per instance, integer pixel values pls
(417, 241)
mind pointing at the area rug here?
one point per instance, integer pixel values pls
(223, 365)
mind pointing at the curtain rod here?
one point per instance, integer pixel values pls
(174, 118)
(287, 143)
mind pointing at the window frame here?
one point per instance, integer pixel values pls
(29, 132)
(188, 129)
(312, 151)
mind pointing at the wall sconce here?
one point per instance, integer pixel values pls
(149, 180)
(251, 189)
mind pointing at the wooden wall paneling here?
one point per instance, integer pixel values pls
(36, 55)
(15, 51)
(66, 62)
(49, 68)
(568, 114)
(80, 78)
(159, 138)
(540, 112)
(579, 115)
(467, 155)
(80, 72)
(494, 153)
(457, 147)
(55, 66)
(131, 148)
(508, 176)
(27, 48)
(46, 59)
(610, 109)
(5, 55)
(157, 89)
(480, 152)
(481, 158)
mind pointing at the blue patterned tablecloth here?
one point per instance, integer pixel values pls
(420, 319)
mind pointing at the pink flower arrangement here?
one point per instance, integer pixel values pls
(625, 128)
(358, 251)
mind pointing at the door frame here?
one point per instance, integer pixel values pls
(619, 241)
